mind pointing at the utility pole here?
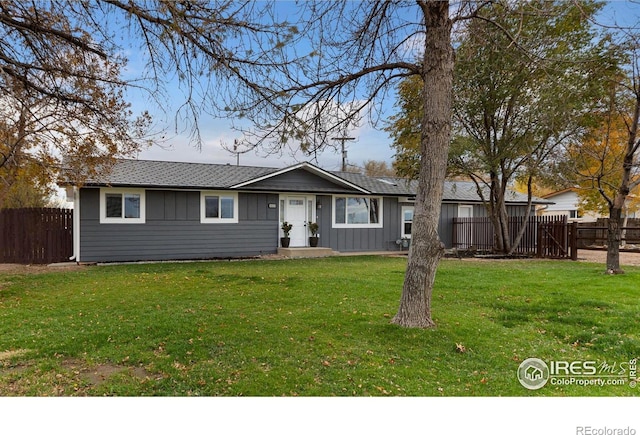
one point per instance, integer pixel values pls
(343, 139)
(235, 150)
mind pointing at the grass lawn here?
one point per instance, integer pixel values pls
(310, 327)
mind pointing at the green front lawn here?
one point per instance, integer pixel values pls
(311, 327)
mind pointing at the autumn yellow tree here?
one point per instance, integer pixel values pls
(598, 159)
(376, 168)
(24, 182)
(83, 131)
(607, 161)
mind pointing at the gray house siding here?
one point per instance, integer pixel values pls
(173, 231)
(445, 227)
(519, 210)
(298, 180)
(359, 239)
(172, 228)
(450, 210)
(381, 239)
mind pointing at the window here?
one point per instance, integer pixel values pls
(407, 221)
(120, 206)
(218, 207)
(357, 211)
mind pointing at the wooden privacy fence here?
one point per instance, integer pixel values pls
(478, 233)
(594, 234)
(558, 240)
(36, 235)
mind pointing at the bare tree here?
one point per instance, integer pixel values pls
(351, 55)
(375, 168)
(64, 75)
(286, 67)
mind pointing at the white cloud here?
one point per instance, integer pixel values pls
(369, 144)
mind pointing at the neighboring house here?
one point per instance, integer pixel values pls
(566, 202)
(153, 210)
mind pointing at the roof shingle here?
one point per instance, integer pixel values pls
(149, 173)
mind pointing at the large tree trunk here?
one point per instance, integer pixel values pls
(616, 206)
(499, 216)
(613, 240)
(503, 218)
(426, 247)
(525, 221)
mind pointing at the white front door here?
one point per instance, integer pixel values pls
(296, 215)
(466, 211)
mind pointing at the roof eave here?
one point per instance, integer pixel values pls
(308, 167)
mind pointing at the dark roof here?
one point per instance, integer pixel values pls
(151, 173)
(467, 191)
(160, 174)
(381, 185)
(454, 190)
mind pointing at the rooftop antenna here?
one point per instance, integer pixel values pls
(343, 139)
(235, 151)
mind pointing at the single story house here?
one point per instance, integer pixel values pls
(567, 203)
(156, 210)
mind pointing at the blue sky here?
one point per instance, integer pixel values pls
(370, 143)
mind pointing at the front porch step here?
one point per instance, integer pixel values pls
(306, 252)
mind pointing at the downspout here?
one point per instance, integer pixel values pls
(76, 225)
(542, 209)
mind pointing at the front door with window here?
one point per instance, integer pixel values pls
(466, 211)
(296, 215)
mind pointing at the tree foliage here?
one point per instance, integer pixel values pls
(64, 75)
(596, 161)
(301, 73)
(404, 127)
(62, 93)
(527, 77)
(375, 168)
(24, 181)
(607, 161)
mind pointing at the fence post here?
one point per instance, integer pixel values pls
(454, 236)
(573, 242)
(539, 241)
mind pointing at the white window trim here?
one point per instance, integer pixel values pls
(466, 207)
(380, 224)
(121, 220)
(402, 221)
(218, 220)
(468, 237)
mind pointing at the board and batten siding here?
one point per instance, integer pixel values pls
(450, 210)
(298, 180)
(359, 239)
(172, 230)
